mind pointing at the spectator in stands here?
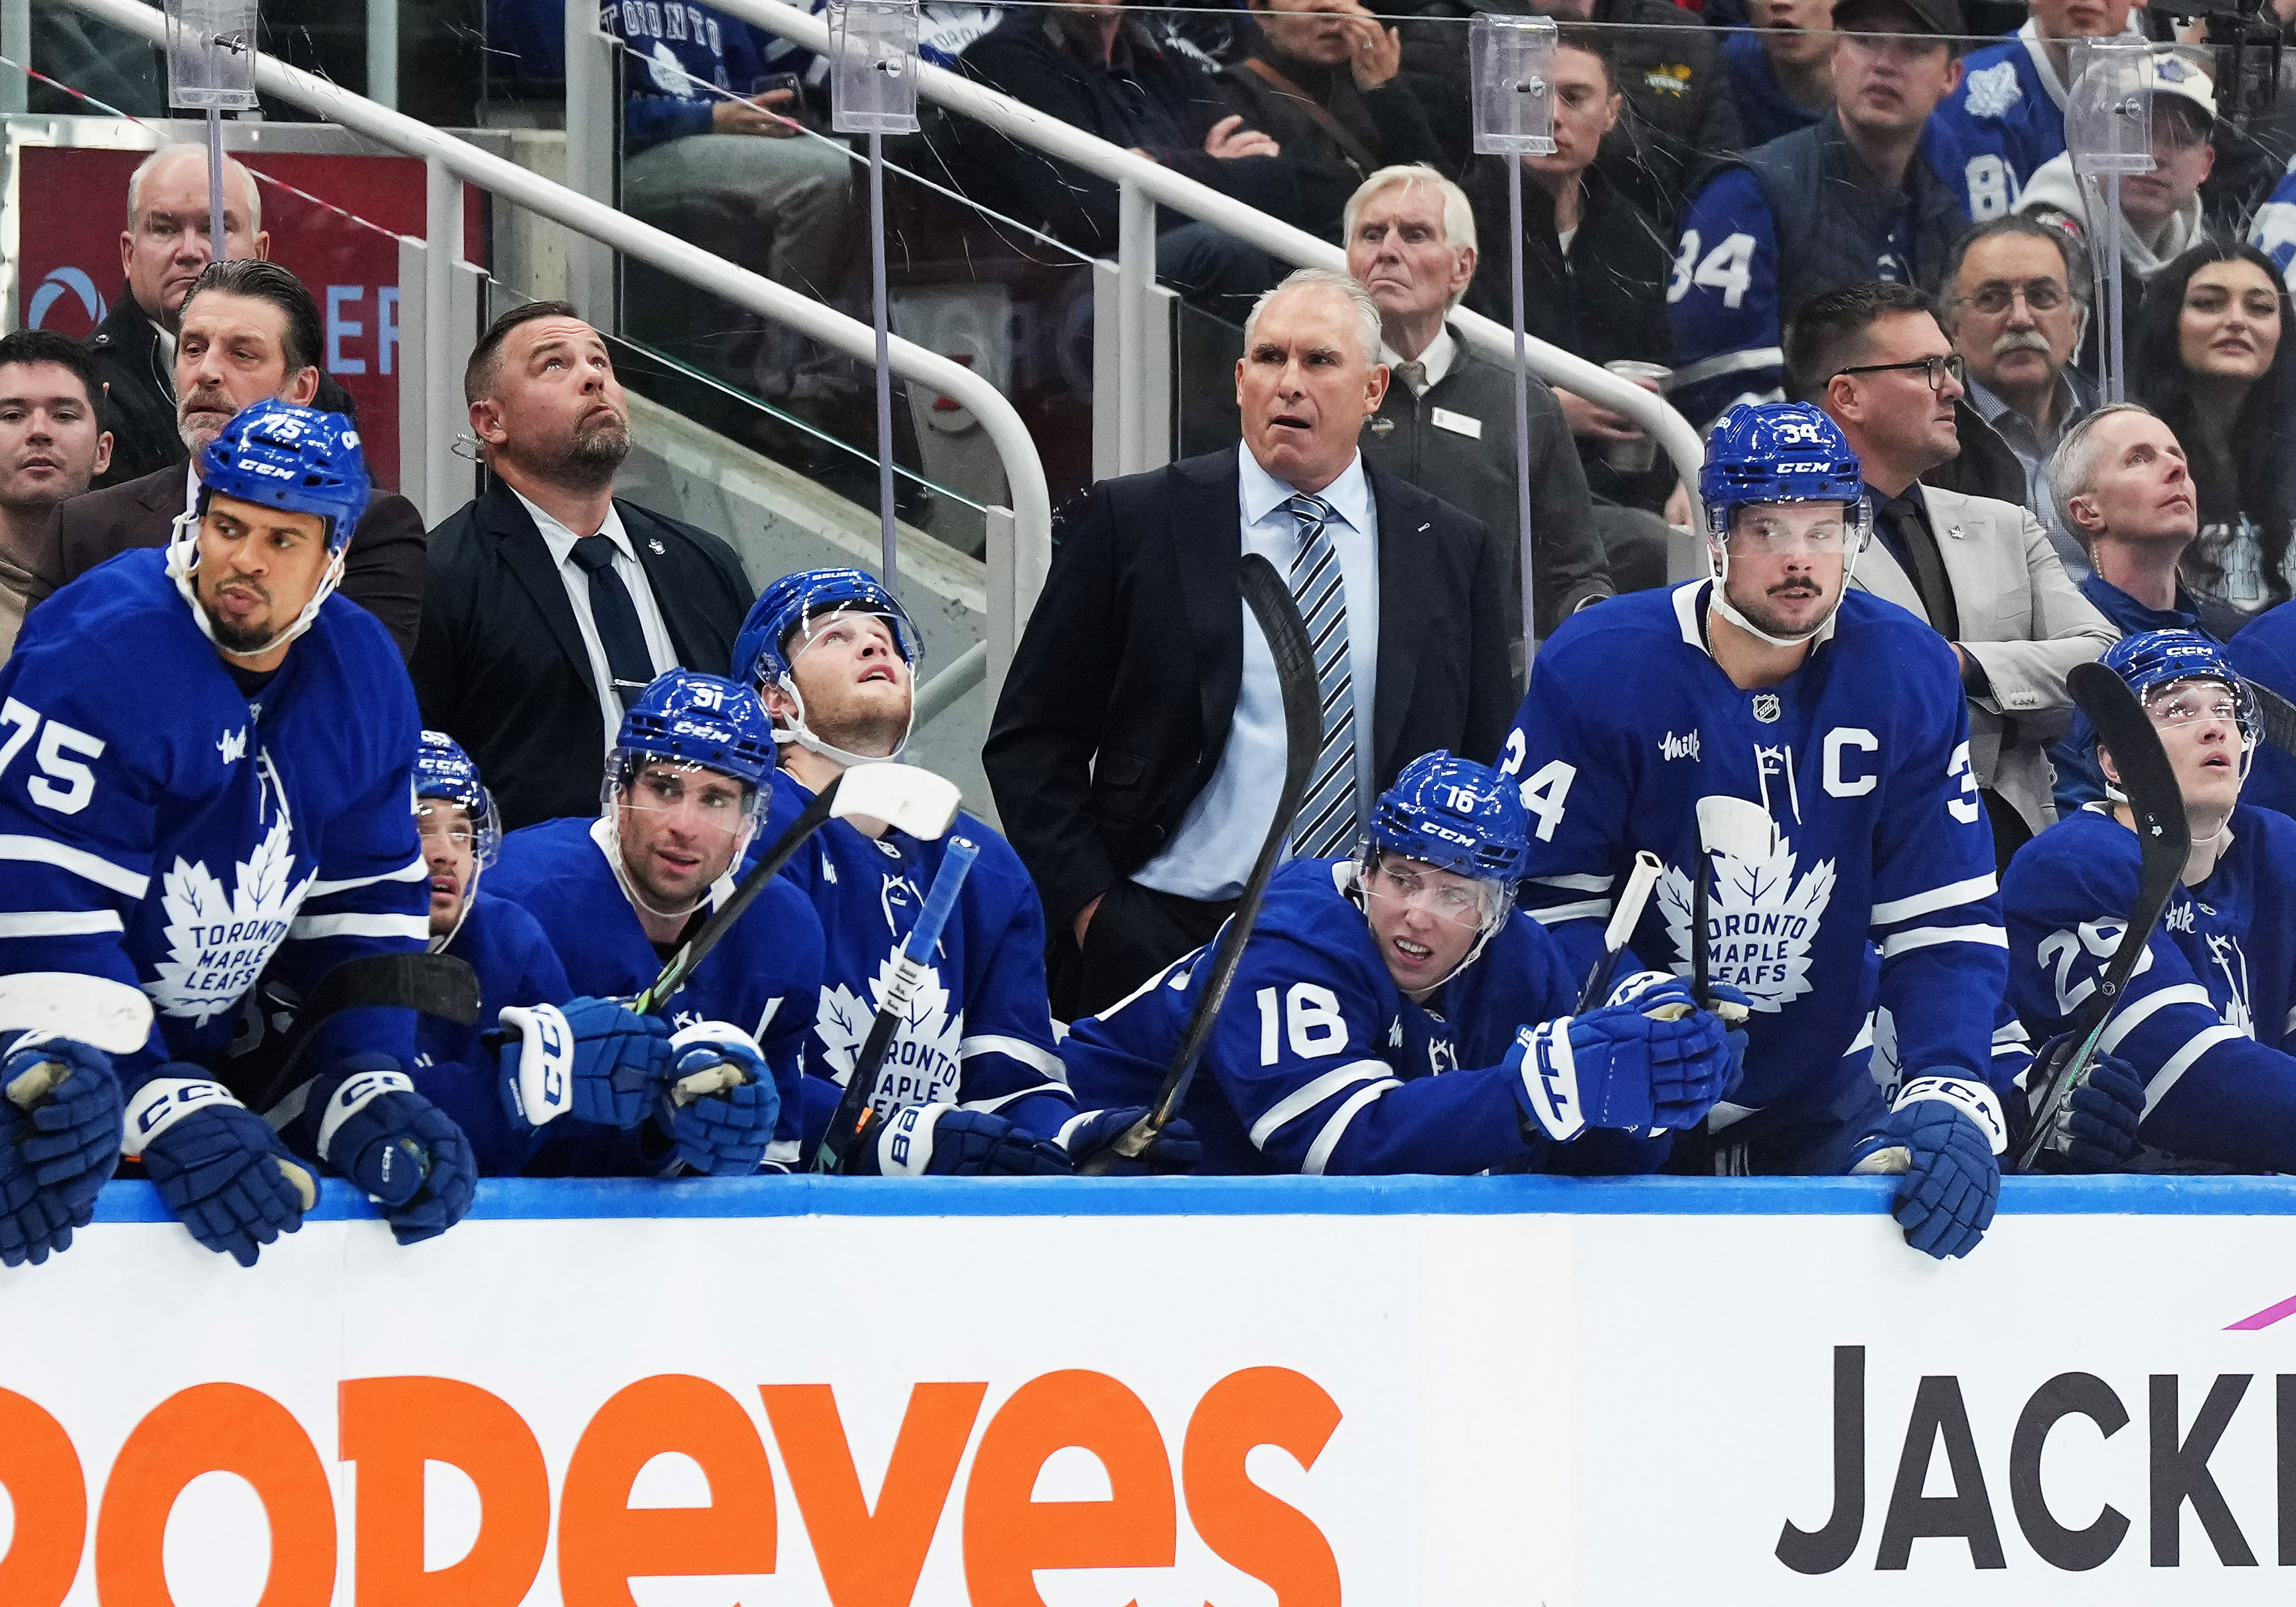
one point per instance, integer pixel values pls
(2160, 210)
(2008, 117)
(1324, 81)
(1096, 67)
(2212, 358)
(1781, 69)
(1678, 114)
(2019, 297)
(1852, 199)
(247, 330)
(1981, 571)
(2121, 484)
(735, 172)
(1448, 418)
(51, 444)
(551, 603)
(1132, 750)
(1595, 272)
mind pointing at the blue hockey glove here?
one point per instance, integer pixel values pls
(1664, 996)
(941, 1141)
(1173, 1149)
(72, 1097)
(1945, 1134)
(220, 1169)
(2095, 1129)
(398, 1147)
(591, 1058)
(720, 1106)
(1656, 1061)
(35, 1221)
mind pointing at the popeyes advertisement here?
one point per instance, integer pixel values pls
(334, 221)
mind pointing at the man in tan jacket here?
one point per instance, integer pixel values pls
(1982, 572)
(50, 446)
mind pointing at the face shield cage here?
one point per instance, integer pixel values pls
(1856, 531)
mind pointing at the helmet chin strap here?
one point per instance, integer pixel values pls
(440, 945)
(1719, 562)
(184, 562)
(796, 731)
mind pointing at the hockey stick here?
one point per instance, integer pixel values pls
(902, 796)
(440, 984)
(2156, 805)
(1271, 603)
(111, 1016)
(2276, 714)
(1701, 944)
(917, 954)
(1624, 919)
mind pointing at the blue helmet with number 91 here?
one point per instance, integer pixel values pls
(1457, 815)
(687, 717)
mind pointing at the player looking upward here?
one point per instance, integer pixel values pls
(618, 895)
(1377, 1021)
(2204, 1023)
(835, 657)
(245, 810)
(1806, 752)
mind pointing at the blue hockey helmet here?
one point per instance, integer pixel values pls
(445, 772)
(761, 655)
(687, 717)
(1457, 815)
(1764, 452)
(2152, 660)
(279, 455)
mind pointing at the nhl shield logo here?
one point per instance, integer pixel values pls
(1765, 708)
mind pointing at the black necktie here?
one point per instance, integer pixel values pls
(1928, 576)
(616, 617)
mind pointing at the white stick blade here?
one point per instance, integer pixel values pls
(112, 1016)
(902, 796)
(1736, 826)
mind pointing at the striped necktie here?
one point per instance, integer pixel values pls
(1327, 823)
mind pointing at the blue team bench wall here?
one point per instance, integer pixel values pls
(514, 1199)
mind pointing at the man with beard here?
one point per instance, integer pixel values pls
(551, 605)
(835, 657)
(247, 331)
(50, 443)
(1801, 747)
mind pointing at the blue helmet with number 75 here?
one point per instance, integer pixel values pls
(1457, 815)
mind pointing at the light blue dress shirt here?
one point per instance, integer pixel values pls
(1210, 854)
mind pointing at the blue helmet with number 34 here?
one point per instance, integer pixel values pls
(1457, 815)
(1768, 452)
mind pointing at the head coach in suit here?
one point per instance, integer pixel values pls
(247, 331)
(551, 603)
(1138, 747)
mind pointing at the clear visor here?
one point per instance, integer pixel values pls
(1797, 529)
(2187, 705)
(1459, 900)
(704, 801)
(848, 628)
(478, 832)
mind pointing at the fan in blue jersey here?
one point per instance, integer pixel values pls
(2008, 117)
(245, 808)
(1392, 1013)
(834, 656)
(714, 1090)
(1805, 750)
(2202, 1033)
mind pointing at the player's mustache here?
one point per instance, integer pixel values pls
(2020, 340)
(1795, 588)
(210, 396)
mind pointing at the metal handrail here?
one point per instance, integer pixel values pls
(1487, 338)
(1024, 468)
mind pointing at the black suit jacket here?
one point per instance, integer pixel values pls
(382, 573)
(501, 667)
(1118, 704)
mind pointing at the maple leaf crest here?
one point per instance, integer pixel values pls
(1993, 90)
(218, 942)
(925, 1042)
(1761, 920)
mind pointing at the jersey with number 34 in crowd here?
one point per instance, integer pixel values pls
(1839, 808)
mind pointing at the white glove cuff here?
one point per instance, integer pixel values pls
(905, 1141)
(543, 1084)
(1069, 1129)
(1550, 1079)
(162, 1103)
(711, 1032)
(1972, 1098)
(353, 1095)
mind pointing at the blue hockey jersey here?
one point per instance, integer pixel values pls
(166, 829)
(2273, 229)
(762, 977)
(1846, 809)
(1319, 1064)
(674, 54)
(2264, 650)
(453, 1068)
(978, 1033)
(2205, 1021)
(2005, 120)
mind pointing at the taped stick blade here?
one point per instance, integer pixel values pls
(112, 1016)
(902, 796)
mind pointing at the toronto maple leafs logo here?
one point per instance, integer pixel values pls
(1994, 90)
(1759, 920)
(920, 1065)
(2225, 953)
(218, 941)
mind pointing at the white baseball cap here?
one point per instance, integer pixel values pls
(2169, 71)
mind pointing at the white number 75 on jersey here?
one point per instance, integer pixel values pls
(58, 741)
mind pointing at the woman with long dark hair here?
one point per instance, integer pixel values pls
(2215, 346)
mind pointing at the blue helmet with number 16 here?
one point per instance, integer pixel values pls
(1457, 815)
